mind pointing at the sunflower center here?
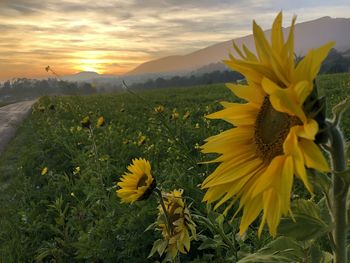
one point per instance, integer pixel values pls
(271, 130)
(142, 181)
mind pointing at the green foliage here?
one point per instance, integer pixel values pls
(73, 215)
(306, 223)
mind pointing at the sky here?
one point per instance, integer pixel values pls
(114, 36)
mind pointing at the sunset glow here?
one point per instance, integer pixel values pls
(113, 37)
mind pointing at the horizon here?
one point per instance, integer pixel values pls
(114, 38)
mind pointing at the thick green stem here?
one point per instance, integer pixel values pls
(340, 192)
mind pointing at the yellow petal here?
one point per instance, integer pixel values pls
(286, 183)
(308, 68)
(261, 45)
(268, 176)
(234, 173)
(277, 34)
(291, 147)
(247, 92)
(313, 156)
(283, 100)
(302, 90)
(288, 50)
(235, 113)
(250, 55)
(272, 210)
(250, 212)
(308, 130)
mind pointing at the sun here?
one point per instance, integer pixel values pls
(93, 65)
(91, 68)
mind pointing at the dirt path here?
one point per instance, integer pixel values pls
(11, 116)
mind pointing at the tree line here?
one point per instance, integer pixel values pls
(336, 62)
(23, 88)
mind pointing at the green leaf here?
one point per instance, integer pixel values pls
(161, 247)
(282, 249)
(155, 247)
(256, 258)
(320, 181)
(151, 226)
(319, 256)
(345, 175)
(308, 223)
(211, 243)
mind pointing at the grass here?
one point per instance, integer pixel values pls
(71, 216)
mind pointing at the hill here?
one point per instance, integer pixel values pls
(307, 35)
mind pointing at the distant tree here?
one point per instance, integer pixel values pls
(335, 63)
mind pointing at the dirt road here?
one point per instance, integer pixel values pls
(11, 116)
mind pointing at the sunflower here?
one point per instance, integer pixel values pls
(44, 171)
(85, 122)
(182, 228)
(273, 138)
(159, 109)
(100, 122)
(138, 183)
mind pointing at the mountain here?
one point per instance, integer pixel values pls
(82, 76)
(308, 35)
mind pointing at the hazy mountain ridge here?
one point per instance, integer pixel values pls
(308, 35)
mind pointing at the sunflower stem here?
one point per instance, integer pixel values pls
(340, 192)
(161, 201)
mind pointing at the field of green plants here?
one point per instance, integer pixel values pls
(70, 212)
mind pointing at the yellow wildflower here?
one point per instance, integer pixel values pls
(138, 183)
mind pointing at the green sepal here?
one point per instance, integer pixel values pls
(315, 108)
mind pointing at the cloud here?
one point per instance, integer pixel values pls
(118, 35)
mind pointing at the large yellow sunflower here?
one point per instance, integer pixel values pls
(273, 137)
(138, 183)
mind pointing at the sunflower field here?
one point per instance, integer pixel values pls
(59, 179)
(131, 176)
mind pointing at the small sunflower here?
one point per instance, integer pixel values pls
(182, 228)
(174, 114)
(273, 137)
(186, 115)
(44, 171)
(141, 140)
(85, 122)
(100, 122)
(159, 109)
(138, 183)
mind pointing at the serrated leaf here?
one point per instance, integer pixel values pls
(302, 206)
(220, 220)
(211, 244)
(161, 247)
(320, 181)
(254, 258)
(308, 223)
(282, 249)
(324, 211)
(319, 256)
(155, 247)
